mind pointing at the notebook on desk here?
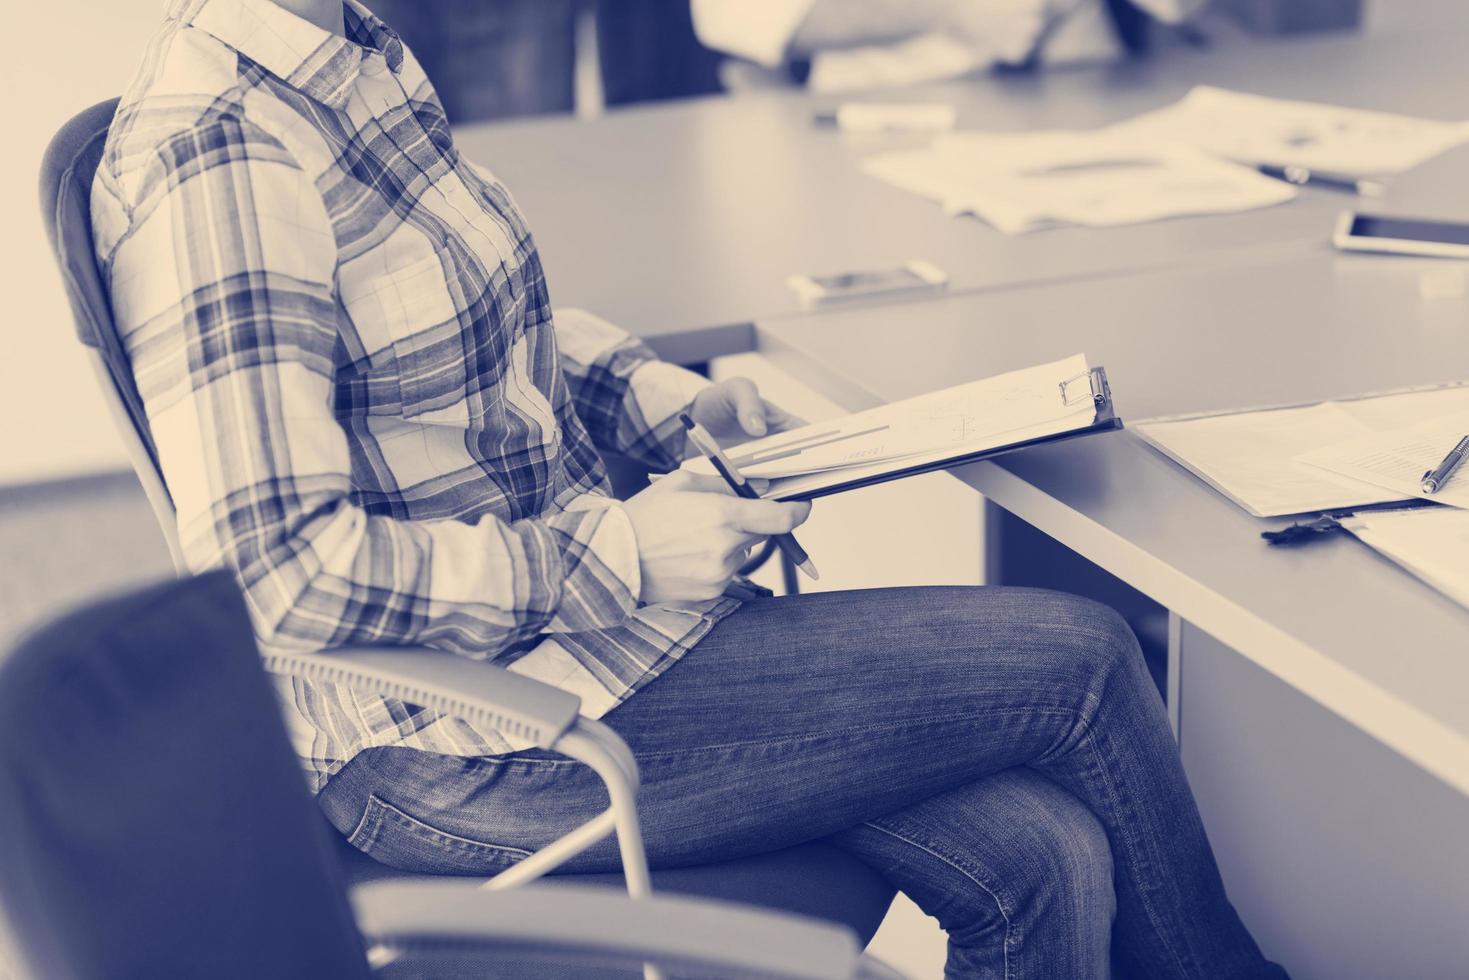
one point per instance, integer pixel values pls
(941, 429)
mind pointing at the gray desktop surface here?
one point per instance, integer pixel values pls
(692, 214)
(1279, 326)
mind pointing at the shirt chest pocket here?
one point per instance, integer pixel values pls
(410, 333)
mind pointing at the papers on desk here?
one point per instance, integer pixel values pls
(1395, 459)
(1024, 181)
(897, 439)
(1430, 542)
(1255, 129)
(1263, 460)
(1185, 159)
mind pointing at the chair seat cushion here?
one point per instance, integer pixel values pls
(813, 879)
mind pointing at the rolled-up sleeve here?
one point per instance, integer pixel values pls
(627, 398)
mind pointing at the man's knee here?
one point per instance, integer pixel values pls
(1069, 864)
(1093, 634)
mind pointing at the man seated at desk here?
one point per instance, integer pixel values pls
(366, 406)
(838, 45)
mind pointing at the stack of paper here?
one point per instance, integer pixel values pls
(950, 424)
(1175, 161)
(1265, 460)
(1432, 543)
(1020, 182)
(1396, 459)
(1255, 129)
(1343, 455)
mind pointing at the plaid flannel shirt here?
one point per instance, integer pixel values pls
(362, 405)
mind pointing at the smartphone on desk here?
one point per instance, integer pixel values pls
(912, 277)
(1357, 232)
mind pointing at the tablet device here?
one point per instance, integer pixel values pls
(1357, 232)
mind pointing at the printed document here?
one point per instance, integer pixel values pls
(1255, 458)
(1254, 129)
(1396, 459)
(1431, 542)
(970, 418)
(1019, 182)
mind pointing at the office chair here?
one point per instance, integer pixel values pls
(154, 823)
(813, 879)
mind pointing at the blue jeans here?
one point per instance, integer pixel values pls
(1001, 755)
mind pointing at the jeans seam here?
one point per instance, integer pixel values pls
(994, 896)
(368, 825)
(1089, 738)
(888, 728)
(436, 836)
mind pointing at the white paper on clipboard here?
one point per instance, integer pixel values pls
(1008, 409)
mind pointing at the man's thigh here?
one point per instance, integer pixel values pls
(795, 718)
(841, 661)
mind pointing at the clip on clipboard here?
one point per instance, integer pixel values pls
(939, 430)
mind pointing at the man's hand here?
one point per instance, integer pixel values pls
(693, 534)
(733, 412)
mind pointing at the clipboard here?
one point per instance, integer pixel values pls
(1071, 392)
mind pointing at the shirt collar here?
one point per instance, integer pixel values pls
(318, 63)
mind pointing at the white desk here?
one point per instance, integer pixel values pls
(1322, 692)
(1275, 330)
(693, 214)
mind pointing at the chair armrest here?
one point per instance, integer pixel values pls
(494, 698)
(688, 933)
(484, 695)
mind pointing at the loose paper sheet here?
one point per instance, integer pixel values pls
(1019, 182)
(1432, 543)
(954, 422)
(1255, 129)
(1396, 459)
(1250, 458)
(1254, 458)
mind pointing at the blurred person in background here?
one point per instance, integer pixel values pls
(840, 45)
(493, 59)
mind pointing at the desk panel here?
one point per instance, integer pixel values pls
(1334, 620)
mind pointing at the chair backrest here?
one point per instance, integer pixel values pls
(67, 170)
(153, 817)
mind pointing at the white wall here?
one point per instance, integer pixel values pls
(60, 56)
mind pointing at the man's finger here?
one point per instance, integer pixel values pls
(688, 481)
(745, 399)
(768, 517)
(778, 419)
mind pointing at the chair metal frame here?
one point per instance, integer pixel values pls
(716, 934)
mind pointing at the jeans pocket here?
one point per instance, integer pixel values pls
(400, 840)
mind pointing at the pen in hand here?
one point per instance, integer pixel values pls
(709, 448)
(1434, 479)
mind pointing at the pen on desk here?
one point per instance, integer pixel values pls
(1302, 177)
(710, 450)
(1434, 479)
